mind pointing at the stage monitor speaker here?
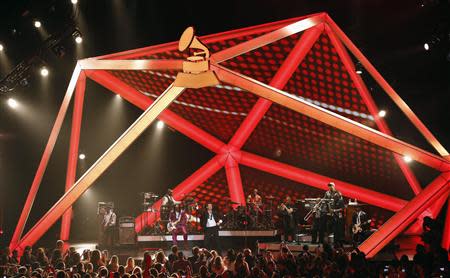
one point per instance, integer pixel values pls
(127, 234)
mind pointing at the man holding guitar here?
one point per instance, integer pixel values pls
(177, 225)
(360, 227)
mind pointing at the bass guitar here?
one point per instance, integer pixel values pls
(172, 225)
(357, 228)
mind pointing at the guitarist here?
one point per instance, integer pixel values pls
(108, 224)
(178, 220)
(360, 229)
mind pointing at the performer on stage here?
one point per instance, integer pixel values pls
(254, 202)
(177, 225)
(320, 221)
(361, 226)
(168, 200)
(336, 209)
(286, 210)
(210, 224)
(108, 225)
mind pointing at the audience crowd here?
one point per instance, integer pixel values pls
(329, 262)
(430, 260)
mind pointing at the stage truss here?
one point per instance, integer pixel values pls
(287, 81)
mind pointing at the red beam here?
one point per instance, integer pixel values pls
(318, 181)
(138, 99)
(234, 181)
(73, 150)
(44, 160)
(388, 89)
(187, 186)
(446, 233)
(373, 109)
(280, 79)
(433, 212)
(335, 120)
(409, 213)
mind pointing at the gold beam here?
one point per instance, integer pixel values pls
(150, 64)
(100, 166)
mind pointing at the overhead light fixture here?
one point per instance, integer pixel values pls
(37, 24)
(358, 68)
(1, 47)
(82, 156)
(74, 1)
(407, 158)
(76, 34)
(426, 46)
(44, 71)
(78, 39)
(12, 103)
(382, 113)
(160, 124)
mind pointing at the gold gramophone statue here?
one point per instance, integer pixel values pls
(196, 72)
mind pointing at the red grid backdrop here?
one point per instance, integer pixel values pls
(283, 134)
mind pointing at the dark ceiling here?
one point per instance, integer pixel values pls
(390, 33)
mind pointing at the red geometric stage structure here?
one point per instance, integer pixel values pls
(289, 104)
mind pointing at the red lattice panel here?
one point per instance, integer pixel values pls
(303, 142)
(262, 63)
(214, 190)
(322, 77)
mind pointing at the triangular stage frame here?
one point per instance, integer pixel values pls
(230, 155)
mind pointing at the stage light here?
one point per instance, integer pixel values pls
(82, 156)
(382, 113)
(407, 158)
(79, 39)
(12, 103)
(160, 125)
(118, 96)
(44, 71)
(37, 24)
(1, 47)
(358, 68)
(74, 1)
(426, 46)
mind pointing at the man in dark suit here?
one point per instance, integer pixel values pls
(210, 224)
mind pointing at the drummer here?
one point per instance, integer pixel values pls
(168, 200)
(168, 204)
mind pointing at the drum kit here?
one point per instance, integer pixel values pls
(249, 217)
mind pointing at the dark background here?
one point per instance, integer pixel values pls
(390, 33)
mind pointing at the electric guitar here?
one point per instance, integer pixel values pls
(357, 228)
(172, 225)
